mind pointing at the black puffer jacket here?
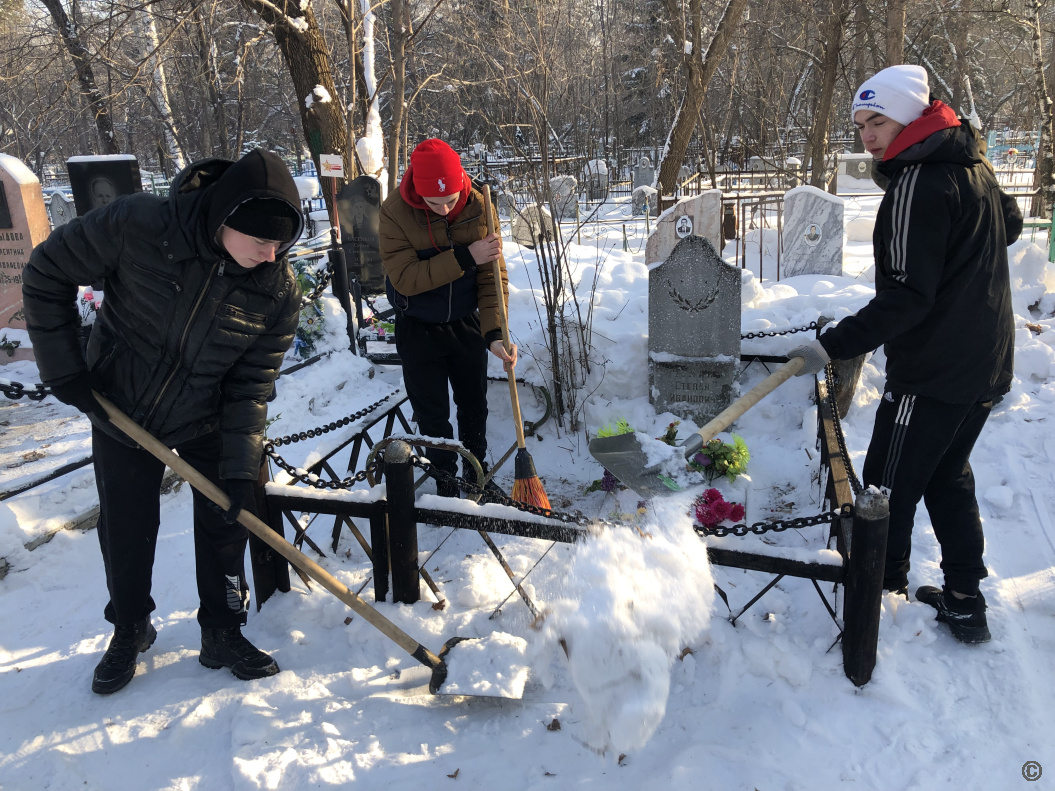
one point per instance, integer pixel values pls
(186, 341)
(943, 299)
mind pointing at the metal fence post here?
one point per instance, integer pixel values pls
(864, 585)
(402, 527)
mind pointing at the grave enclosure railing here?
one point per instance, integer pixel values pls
(858, 528)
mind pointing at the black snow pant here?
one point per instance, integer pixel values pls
(920, 449)
(433, 355)
(129, 484)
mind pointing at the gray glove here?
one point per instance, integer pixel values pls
(814, 358)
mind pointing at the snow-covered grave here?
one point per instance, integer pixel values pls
(657, 688)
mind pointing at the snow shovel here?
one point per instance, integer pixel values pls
(623, 456)
(435, 663)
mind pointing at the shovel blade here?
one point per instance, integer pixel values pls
(626, 459)
(491, 666)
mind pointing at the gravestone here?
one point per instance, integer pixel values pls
(565, 196)
(531, 222)
(700, 215)
(60, 210)
(693, 332)
(684, 173)
(644, 173)
(359, 212)
(644, 200)
(507, 204)
(812, 233)
(596, 179)
(23, 225)
(854, 172)
(96, 181)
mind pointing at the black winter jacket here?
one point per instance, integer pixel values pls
(186, 342)
(943, 299)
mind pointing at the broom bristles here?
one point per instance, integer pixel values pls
(530, 491)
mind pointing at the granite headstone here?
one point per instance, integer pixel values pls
(60, 210)
(23, 225)
(531, 223)
(565, 196)
(693, 332)
(644, 173)
(644, 200)
(359, 212)
(812, 233)
(596, 179)
(97, 180)
(700, 215)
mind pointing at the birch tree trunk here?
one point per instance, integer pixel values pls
(1044, 175)
(159, 93)
(398, 40)
(895, 32)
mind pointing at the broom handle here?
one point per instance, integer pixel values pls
(496, 267)
(269, 536)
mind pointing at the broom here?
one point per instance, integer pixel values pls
(527, 488)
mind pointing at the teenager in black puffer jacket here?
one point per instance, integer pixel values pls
(942, 311)
(200, 307)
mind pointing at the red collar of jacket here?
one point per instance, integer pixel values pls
(935, 118)
(410, 195)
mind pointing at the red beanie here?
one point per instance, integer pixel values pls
(436, 169)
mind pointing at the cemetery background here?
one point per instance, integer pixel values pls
(760, 705)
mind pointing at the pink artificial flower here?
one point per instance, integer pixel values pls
(722, 510)
(705, 516)
(737, 513)
(712, 496)
(89, 295)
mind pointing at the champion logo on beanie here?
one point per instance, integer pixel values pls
(436, 169)
(265, 218)
(898, 92)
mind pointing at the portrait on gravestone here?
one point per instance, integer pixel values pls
(683, 226)
(98, 181)
(359, 212)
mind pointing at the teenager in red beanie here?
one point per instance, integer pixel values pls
(438, 258)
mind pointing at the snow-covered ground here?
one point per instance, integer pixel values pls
(658, 690)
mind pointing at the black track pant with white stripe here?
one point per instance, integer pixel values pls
(920, 449)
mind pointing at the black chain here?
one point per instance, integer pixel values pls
(492, 496)
(811, 326)
(829, 379)
(16, 390)
(767, 527)
(289, 439)
(311, 479)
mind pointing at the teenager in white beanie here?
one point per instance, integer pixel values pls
(942, 313)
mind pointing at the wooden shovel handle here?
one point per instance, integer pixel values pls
(496, 267)
(726, 417)
(161, 452)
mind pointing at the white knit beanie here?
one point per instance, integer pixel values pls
(898, 92)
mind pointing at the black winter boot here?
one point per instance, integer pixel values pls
(118, 664)
(966, 617)
(228, 648)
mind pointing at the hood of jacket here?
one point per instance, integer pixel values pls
(206, 193)
(937, 136)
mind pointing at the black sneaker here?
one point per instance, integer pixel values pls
(966, 617)
(228, 648)
(118, 664)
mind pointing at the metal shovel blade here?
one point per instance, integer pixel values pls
(624, 457)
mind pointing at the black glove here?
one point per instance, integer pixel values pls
(242, 494)
(814, 358)
(78, 393)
